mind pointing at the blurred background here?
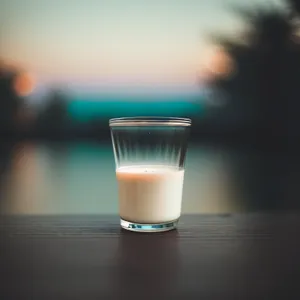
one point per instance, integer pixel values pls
(66, 67)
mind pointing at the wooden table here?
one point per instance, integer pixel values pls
(239, 256)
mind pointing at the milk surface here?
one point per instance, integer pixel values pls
(150, 194)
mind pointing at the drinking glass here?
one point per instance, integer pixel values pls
(149, 157)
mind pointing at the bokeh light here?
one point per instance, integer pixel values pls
(24, 83)
(218, 63)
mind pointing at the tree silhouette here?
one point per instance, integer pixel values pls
(262, 91)
(52, 121)
(295, 6)
(10, 102)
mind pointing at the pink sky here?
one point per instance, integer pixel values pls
(114, 43)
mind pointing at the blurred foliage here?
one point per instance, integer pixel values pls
(261, 91)
(10, 103)
(53, 118)
(294, 6)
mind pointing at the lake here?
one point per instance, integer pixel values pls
(79, 178)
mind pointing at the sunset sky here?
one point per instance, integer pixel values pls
(113, 43)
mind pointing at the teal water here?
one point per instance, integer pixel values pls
(84, 109)
(79, 178)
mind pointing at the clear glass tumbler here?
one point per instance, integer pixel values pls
(149, 155)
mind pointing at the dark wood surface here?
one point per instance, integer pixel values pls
(235, 256)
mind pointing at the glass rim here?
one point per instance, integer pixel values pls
(150, 121)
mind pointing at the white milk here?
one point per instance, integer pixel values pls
(150, 194)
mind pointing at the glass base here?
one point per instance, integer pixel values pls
(160, 227)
